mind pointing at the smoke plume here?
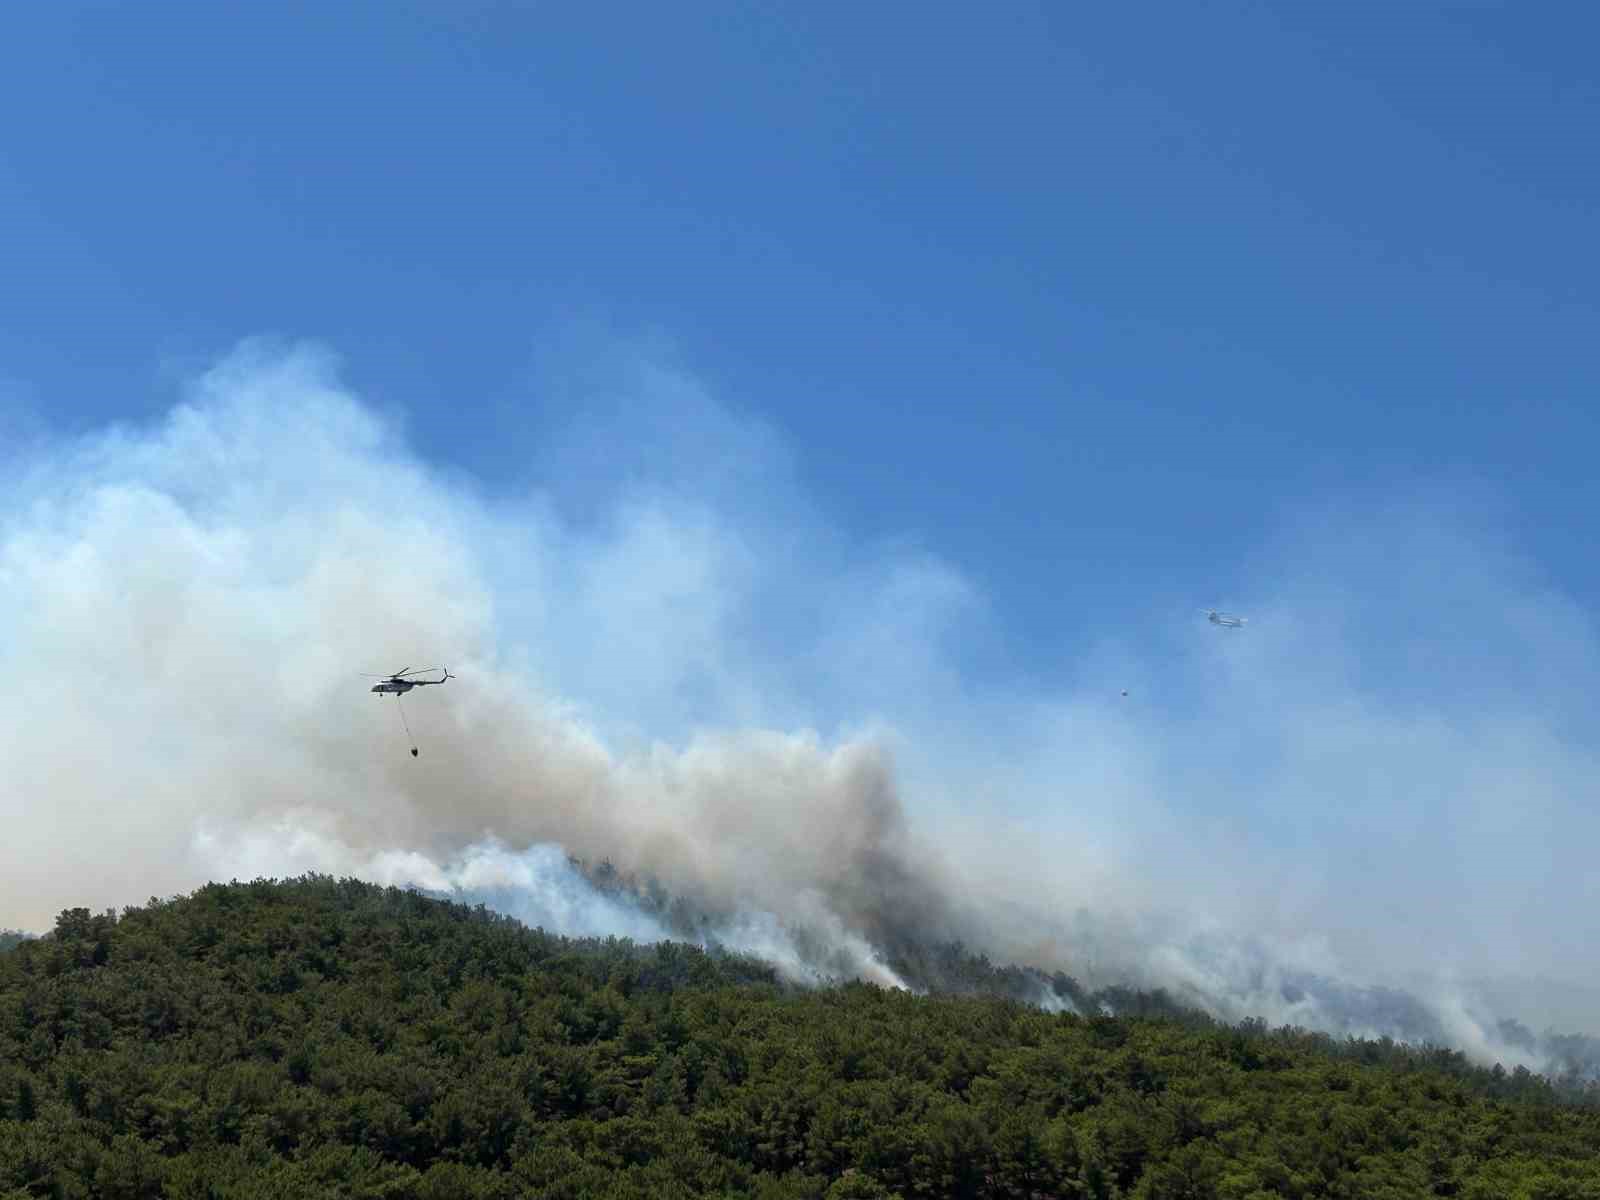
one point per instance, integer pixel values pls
(1355, 815)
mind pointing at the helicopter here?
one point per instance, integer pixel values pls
(1226, 620)
(399, 685)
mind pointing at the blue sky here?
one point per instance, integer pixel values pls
(1081, 299)
(906, 373)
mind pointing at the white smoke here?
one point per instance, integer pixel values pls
(690, 673)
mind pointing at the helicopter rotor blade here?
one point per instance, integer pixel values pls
(415, 671)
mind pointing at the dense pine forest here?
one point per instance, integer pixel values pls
(324, 1037)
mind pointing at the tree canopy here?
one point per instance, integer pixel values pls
(331, 1037)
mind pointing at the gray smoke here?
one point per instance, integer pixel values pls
(668, 659)
(188, 608)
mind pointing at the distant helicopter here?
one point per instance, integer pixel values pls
(1226, 620)
(399, 684)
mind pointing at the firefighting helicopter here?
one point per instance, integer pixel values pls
(400, 683)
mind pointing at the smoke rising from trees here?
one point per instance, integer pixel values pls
(680, 667)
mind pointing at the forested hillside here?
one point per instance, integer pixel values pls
(322, 1037)
(10, 937)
